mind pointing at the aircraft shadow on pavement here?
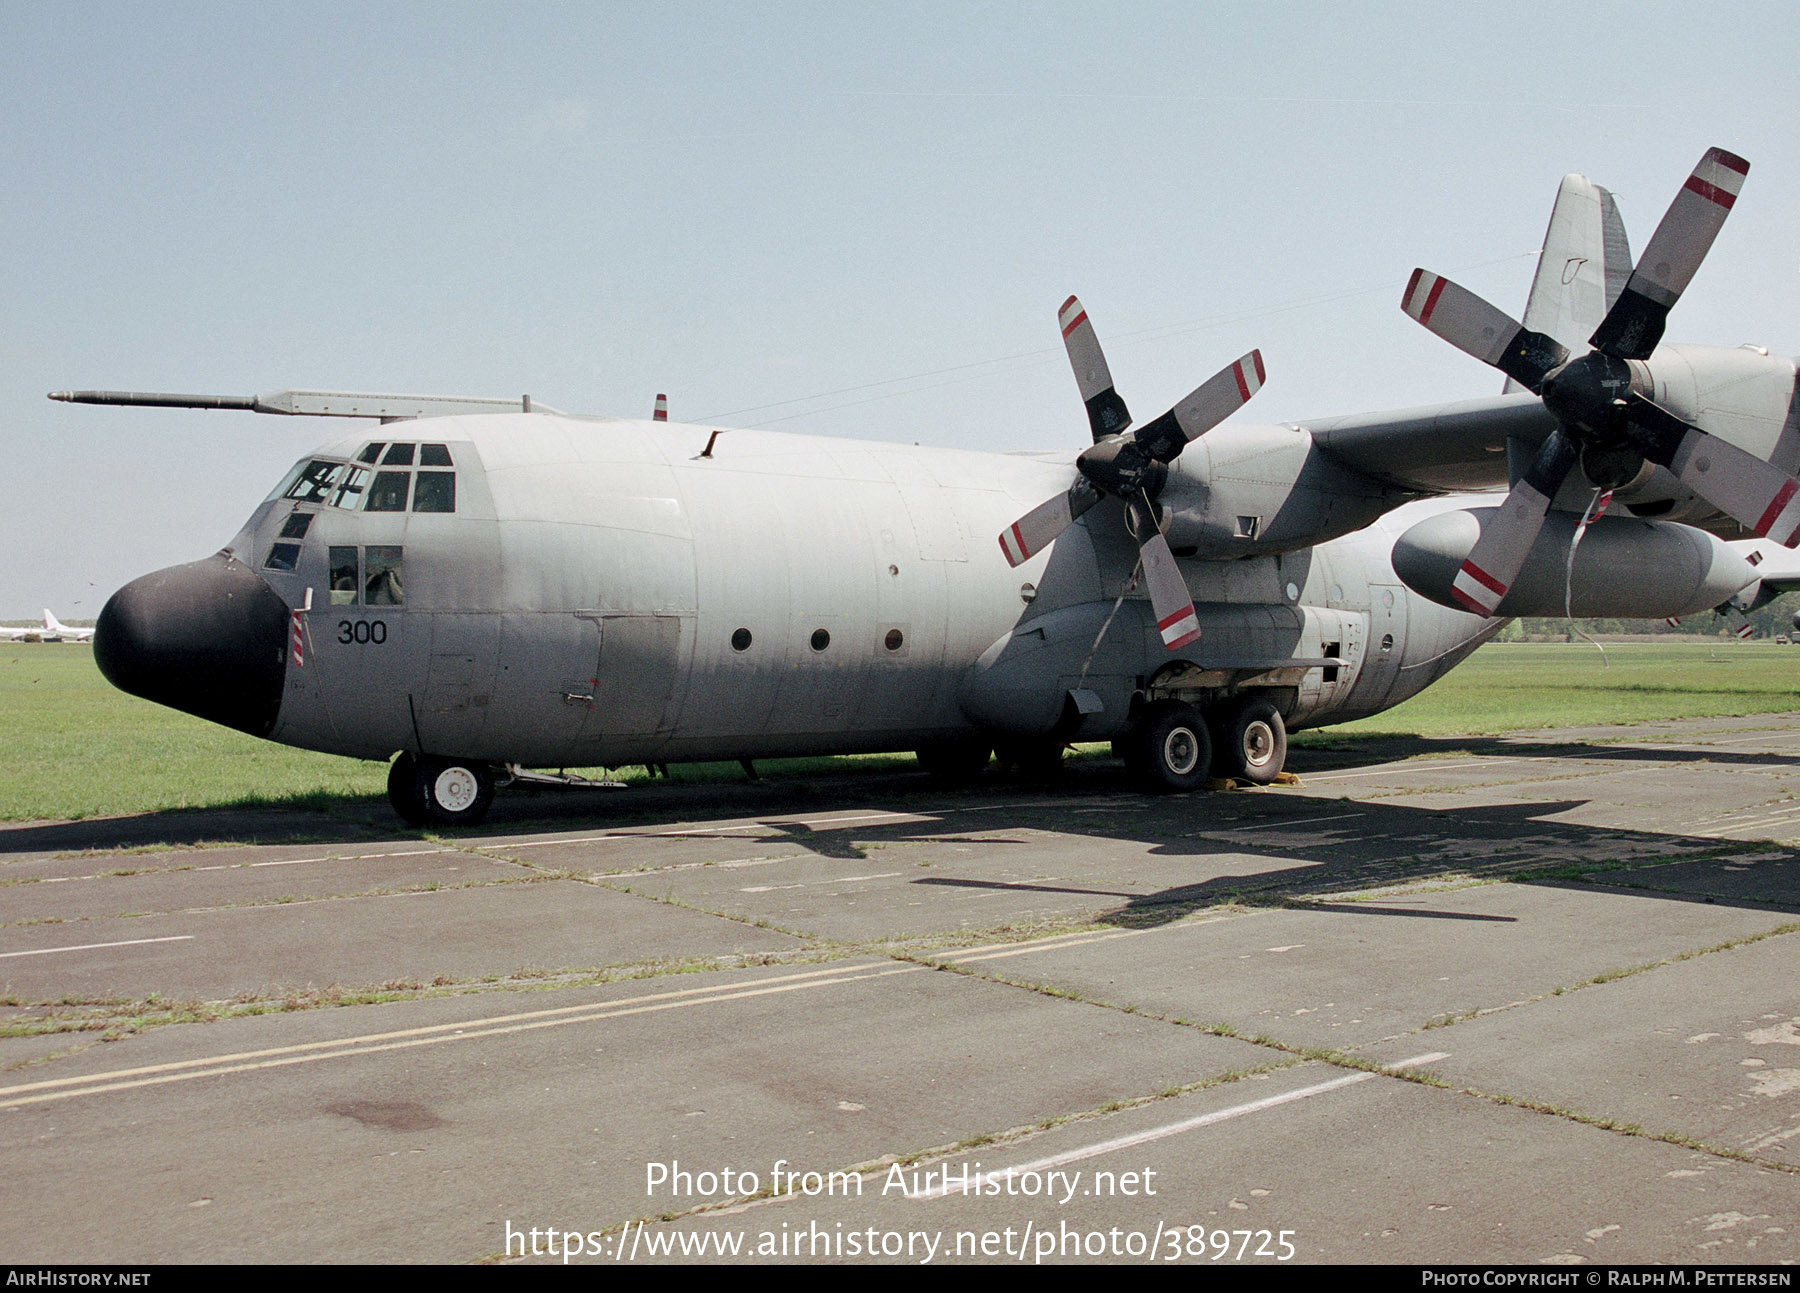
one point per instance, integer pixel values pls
(1390, 844)
(1381, 843)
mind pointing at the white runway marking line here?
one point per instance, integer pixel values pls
(1389, 769)
(623, 835)
(1758, 819)
(766, 823)
(89, 947)
(809, 884)
(1044, 945)
(359, 857)
(230, 866)
(1269, 826)
(429, 1035)
(1739, 740)
(1164, 1132)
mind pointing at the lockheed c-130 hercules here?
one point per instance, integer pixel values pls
(479, 588)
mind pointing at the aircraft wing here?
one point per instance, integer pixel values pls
(1777, 567)
(1438, 449)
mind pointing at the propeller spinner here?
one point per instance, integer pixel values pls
(1131, 464)
(1601, 399)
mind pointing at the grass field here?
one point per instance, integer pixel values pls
(74, 747)
(1509, 686)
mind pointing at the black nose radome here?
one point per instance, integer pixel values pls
(209, 638)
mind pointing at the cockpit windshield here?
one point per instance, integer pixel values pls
(355, 486)
(310, 482)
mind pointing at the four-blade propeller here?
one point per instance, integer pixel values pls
(1600, 399)
(1131, 464)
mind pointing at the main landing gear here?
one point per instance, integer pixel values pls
(1173, 746)
(1250, 740)
(427, 790)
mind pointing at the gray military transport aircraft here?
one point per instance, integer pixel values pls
(479, 588)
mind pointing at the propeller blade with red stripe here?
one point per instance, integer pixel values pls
(1107, 414)
(1209, 404)
(1499, 554)
(1038, 528)
(1635, 323)
(1481, 330)
(1757, 494)
(1170, 600)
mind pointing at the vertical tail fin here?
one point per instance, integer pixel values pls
(1582, 269)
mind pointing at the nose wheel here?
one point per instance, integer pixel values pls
(427, 790)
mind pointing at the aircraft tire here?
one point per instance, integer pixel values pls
(403, 789)
(954, 763)
(1169, 750)
(441, 792)
(1251, 741)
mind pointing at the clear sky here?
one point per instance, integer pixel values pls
(842, 219)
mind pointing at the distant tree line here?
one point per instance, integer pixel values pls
(1777, 618)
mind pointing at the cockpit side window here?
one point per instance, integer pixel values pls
(344, 582)
(282, 556)
(434, 455)
(370, 452)
(381, 576)
(398, 455)
(313, 483)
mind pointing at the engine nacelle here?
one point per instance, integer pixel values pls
(1247, 491)
(1624, 567)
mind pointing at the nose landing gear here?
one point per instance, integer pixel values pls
(427, 790)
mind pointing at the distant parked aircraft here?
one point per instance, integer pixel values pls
(56, 631)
